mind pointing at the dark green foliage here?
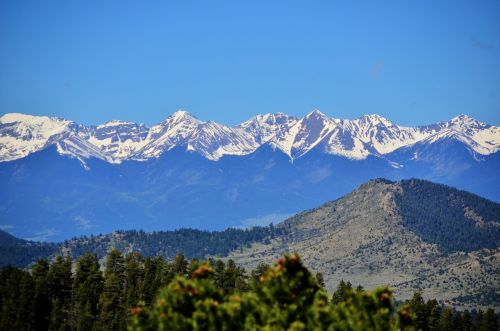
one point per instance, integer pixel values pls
(200, 295)
(167, 244)
(446, 322)
(42, 300)
(320, 279)
(59, 284)
(20, 253)
(419, 308)
(156, 274)
(287, 297)
(134, 271)
(432, 316)
(463, 321)
(433, 310)
(342, 292)
(234, 278)
(17, 289)
(260, 270)
(112, 299)
(455, 220)
(489, 321)
(180, 265)
(87, 286)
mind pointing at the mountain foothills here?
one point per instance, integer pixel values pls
(411, 234)
(62, 179)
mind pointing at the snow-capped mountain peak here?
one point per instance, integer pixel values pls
(304, 135)
(464, 122)
(21, 135)
(315, 113)
(374, 120)
(181, 116)
(265, 127)
(116, 141)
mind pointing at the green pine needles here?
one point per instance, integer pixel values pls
(286, 297)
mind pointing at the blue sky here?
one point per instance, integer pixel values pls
(415, 62)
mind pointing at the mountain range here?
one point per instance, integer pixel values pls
(411, 234)
(62, 179)
(118, 141)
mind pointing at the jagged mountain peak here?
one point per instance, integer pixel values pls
(315, 113)
(375, 119)
(183, 115)
(304, 134)
(465, 122)
(119, 140)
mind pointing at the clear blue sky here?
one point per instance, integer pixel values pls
(415, 62)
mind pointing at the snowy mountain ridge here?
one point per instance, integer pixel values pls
(117, 141)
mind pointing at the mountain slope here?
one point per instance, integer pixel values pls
(47, 197)
(21, 253)
(409, 234)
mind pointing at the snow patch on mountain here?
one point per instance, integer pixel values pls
(265, 127)
(172, 132)
(304, 135)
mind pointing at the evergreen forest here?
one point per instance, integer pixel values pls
(133, 292)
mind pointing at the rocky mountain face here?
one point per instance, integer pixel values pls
(116, 141)
(409, 235)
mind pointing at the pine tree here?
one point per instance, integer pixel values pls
(112, 311)
(342, 292)
(434, 311)
(146, 291)
(419, 307)
(8, 294)
(179, 266)
(320, 279)
(134, 270)
(260, 270)
(446, 320)
(478, 322)
(489, 321)
(59, 283)
(219, 273)
(87, 286)
(42, 301)
(234, 278)
(465, 321)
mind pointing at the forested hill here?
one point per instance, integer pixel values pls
(453, 219)
(20, 253)
(167, 244)
(408, 234)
